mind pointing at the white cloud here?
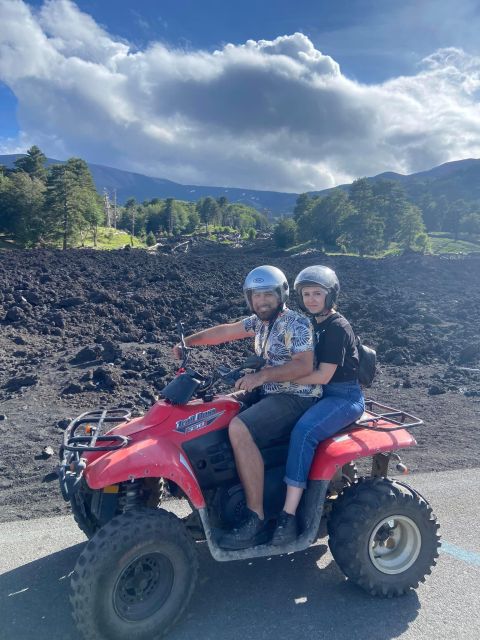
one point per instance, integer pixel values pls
(265, 114)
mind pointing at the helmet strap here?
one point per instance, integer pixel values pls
(324, 314)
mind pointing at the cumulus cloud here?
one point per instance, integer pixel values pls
(264, 114)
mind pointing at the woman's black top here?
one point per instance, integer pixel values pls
(335, 344)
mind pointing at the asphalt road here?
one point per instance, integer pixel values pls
(288, 597)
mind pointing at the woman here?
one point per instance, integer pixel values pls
(336, 366)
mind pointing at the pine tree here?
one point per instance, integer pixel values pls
(21, 209)
(70, 203)
(33, 164)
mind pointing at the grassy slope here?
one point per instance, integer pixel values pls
(441, 242)
(444, 243)
(112, 239)
(106, 239)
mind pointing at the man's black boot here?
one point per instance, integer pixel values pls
(250, 533)
(286, 530)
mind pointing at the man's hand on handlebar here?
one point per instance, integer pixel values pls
(250, 381)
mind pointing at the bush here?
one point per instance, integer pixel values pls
(285, 233)
(151, 240)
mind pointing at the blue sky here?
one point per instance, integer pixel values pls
(355, 69)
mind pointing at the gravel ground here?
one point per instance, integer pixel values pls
(82, 329)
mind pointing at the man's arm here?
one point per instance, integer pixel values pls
(215, 335)
(322, 375)
(300, 365)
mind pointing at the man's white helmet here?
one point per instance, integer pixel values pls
(266, 278)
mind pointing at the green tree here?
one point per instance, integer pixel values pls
(22, 208)
(222, 204)
(411, 234)
(303, 205)
(193, 220)
(443, 207)
(454, 214)
(208, 210)
(33, 163)
(324, 221)
(169, 214)
(151, 240)
(5, 186)
(93, 214)
(363, 229)
(430, 213)
(285, 233)
(70, 201)
(470, 223)
(390, 203)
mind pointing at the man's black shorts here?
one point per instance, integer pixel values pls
(271, 418)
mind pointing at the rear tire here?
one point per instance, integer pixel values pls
(383, 536)
(134, 578)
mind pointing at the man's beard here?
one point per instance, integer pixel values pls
(268, 314)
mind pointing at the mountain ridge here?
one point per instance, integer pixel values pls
(458, 179)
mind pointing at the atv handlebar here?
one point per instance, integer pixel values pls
(189, 383)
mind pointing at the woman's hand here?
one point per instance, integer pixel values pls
(250, 381)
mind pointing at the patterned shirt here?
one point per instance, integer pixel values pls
(291, 333)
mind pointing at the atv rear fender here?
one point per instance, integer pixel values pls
(151, 457)
(348, 446)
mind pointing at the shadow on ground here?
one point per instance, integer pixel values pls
(272, 599)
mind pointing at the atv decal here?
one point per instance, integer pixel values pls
(198, 420)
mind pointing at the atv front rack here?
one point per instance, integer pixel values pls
(72, 464)
(95, 419)
(382, 416)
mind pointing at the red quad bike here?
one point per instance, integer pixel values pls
(137, 573)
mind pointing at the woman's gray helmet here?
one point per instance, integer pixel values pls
(266, 278)
(318, 276)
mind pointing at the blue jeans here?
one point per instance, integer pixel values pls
(341, 404)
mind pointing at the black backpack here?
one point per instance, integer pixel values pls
(367, 358)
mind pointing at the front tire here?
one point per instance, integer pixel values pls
(80, 506)
(383, 536)
(134, 578)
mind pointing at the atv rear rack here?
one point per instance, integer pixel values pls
(72, 464)
(382, 413)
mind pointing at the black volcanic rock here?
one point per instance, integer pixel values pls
(15, 384)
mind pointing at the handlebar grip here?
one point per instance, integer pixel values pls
(233, 376)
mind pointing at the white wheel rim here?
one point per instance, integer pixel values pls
(394, 544)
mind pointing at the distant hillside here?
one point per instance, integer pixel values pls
(140, 187)
(454, 180)
(457, 180)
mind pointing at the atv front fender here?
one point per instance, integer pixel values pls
(345, 447)
(151, 457)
